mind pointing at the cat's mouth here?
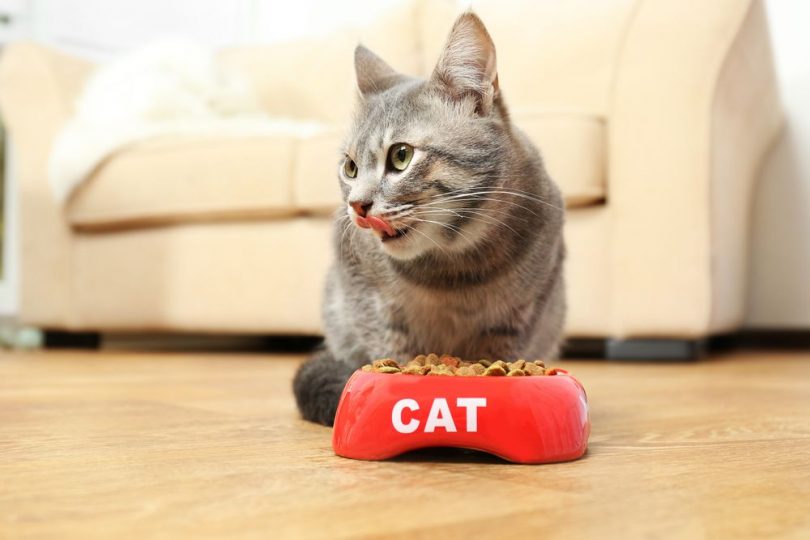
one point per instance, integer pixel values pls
(398, 233)
(382, 228)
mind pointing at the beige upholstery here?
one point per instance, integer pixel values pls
(234, 277)
(171, 180)
(573, 148)
(653, 115)
(682, 206)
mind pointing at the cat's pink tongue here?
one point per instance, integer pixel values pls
(380, 225)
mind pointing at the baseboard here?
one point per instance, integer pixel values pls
(655, 350)
(574, 348)
(774, 339)
(210, 342)
(584, 348)
(673, 349)
(57, 339)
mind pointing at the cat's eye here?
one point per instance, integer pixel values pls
(349, 167)
(400, 155)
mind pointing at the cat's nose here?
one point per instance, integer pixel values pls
(361, 207)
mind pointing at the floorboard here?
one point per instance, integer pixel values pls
(127, 445)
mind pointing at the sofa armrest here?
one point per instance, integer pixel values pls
(37, 89)
(693, 110)
(39, 84)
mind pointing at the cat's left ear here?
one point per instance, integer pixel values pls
(467, 66)
(373, 74)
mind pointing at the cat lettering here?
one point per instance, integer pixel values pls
(439, 416)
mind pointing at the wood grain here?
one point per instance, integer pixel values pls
(118, 445)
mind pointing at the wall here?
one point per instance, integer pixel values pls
(779, 292)
(99, 29)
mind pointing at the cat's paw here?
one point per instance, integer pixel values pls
(318, 385)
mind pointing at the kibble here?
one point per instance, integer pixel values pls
(517, 364)
(494, 370)
(385, 362)
(534, 369)
(447, 365)
(388, 369)
(441, 369)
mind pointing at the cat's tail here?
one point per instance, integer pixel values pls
(317, 387)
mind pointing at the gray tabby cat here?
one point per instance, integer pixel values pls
(451, 237)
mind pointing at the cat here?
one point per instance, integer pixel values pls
(450, 240)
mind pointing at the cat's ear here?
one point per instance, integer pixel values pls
(467, 67)
(373, 74)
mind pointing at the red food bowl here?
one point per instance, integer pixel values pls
(534, 419)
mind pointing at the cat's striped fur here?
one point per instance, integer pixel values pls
(479, 272)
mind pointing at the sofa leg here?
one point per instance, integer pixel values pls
(636, 349)
(655, 349)
(58, 339)
(584, 348)
(291, 344)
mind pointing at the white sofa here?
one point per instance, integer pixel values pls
(652, 115)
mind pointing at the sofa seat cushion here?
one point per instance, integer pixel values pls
(183, 179)
(194, 179)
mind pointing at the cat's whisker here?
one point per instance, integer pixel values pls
(513, 189)
(448, 226)
(460, 213)
(398, 215)
(347, 228)
(482, 217)
(352, 234)
(403, 205)
(495, 191)
(394, 210)
(498, 188)
(480, 209)
(476, 197)
(471, 198)
(349, 224)
(465, 194)
(413, 229)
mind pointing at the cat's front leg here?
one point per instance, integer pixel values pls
(499, 344)
(392, 339)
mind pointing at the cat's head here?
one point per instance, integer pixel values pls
(422, 156)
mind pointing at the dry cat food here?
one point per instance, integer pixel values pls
(433, 364)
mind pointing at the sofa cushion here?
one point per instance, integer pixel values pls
(186, 179)
(181, 179)
(313, 77)
(573, 147)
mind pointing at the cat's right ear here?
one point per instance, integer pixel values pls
(467, 66)
(373, 74)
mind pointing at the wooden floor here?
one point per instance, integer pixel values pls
(116, 445)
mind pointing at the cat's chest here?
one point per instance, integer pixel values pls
(442, 318)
